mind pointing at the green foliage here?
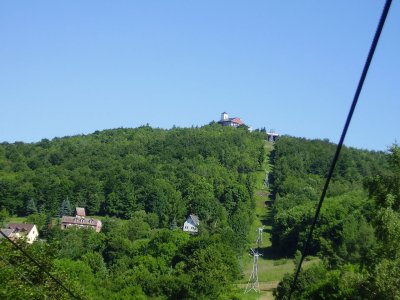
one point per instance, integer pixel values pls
(305, 164)
(96, 262)
(115, 172)
(318, 282)
(74, 242)
(300, 167)
(4, 216)
(358, 240)
(21, 279)
(139, 182)
(31, 207)
(65, 208)
(386, 279)
(387, 224)
(212, 282)
(38, 219)
(385, 186)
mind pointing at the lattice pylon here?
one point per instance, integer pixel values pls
(259, 241)
(253, 283)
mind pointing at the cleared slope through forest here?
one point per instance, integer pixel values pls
(271, 266)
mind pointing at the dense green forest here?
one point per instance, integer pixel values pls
(143, 183)
(357, 234)
(300, 168)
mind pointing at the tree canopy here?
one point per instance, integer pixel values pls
(357, 234)
(139, 182)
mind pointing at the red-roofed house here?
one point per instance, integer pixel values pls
(226, 121)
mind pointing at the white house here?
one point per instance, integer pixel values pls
(29, 231)
(191, 224)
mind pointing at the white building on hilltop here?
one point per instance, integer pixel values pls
(232, 122)
(191, 224)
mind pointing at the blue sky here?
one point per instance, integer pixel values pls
(73, 67)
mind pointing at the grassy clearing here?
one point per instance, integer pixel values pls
(15, 219)
(271, 266)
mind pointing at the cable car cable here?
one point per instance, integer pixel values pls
(340, 144)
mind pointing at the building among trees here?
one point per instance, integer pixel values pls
(80, 220)
(226, 121)
(16, 231)
(191, 224)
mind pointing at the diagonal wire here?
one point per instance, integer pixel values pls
(36, 263)
(340, 144)
(20, 273)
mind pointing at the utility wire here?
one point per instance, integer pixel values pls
(20, 273)
(340, 144)
(36, 263)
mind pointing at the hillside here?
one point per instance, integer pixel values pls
(115, 171)
(142, 183)
(356, 236)
(300, 168)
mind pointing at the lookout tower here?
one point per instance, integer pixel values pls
(224, 116)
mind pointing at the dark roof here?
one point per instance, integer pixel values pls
(21, 227)
(7, 232)
(195, 219)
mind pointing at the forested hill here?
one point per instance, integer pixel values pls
(115, 172)
(143, 183)
(300, 170)
(357, 233)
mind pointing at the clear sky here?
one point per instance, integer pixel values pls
(73, 67)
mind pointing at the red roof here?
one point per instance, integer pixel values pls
(237, 121)
(80, 211)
